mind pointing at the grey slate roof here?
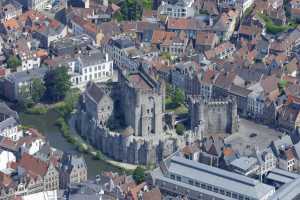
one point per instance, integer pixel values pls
(23, 76)
(282, 176)
(284, 141)
(218, 177)
(95, 92)
(244, 163)
(94, 58)
(289, 191)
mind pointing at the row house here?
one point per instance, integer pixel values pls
(26, 50)
(294, 8)
(190, 26)
(100, 34)
(10, 10)
(31, 143)
(126, 54)
(225, 25)
(10, 126)
(286, 44)
(288, 116)
(73, 170)
(170, 42)
(37, 168)
(284, 151)
(234, 4)
(222, 51)
(36, 24)
(206, 41)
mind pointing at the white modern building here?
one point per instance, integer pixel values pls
(177, 8)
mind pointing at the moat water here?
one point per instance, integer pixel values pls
(46, 125)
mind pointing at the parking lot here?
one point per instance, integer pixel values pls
(252, 135)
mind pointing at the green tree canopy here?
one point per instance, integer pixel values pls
(178, 97)
(57, 83)
(180, 129)
(139, 175)
(37, 90)
(13, 62)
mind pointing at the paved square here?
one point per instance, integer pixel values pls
(245, 144)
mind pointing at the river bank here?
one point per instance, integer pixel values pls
(46, 124)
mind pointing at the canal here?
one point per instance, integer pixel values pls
(46, 125)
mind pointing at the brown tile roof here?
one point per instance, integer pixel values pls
(5, 180)
(187, 150)
(225, 79)
(85, 24)
(42, 53)
(7, 143)
(11, 24)
(135, 190)
(248, 30)
(205, 38)
(33, 166)
(208, 77)
(153, 194)
(139, 82)
(228, 151)
(289, 154)
(184, 24)
(159, 36)
(269, 84)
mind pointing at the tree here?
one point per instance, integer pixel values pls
(13, 62)
(37, 90)
(147, 4)
(281, 86)
(139, 175)
(57, 83)
(131, 9)
(180, 129)
(25, 101)
(178, 97)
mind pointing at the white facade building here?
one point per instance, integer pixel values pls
(177, 8)
(9, 124)
(5, 158)
(90, 67)
(255, 105)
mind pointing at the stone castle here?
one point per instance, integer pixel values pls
(214, 116)
(126, 119)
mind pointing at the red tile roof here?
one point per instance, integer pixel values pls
(33, 166)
